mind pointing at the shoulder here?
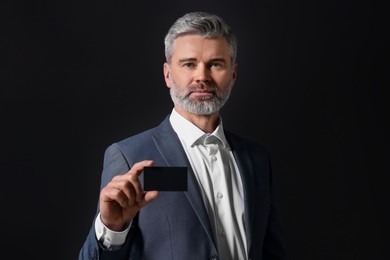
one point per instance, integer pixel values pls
(132, 143)
(137, 138)
(140, 141)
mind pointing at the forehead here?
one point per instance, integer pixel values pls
(196, 46)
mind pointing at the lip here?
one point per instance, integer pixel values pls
(202, 93)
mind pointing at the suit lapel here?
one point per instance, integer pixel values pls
(246, 172)
(170, 148)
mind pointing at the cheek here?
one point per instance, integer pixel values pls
(181, 79)
(224, 80)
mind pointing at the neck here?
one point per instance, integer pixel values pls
(207, 123)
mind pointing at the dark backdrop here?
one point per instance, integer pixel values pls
(79, 75)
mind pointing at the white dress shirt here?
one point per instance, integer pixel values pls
(218, 176)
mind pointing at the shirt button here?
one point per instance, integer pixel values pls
(219, 195)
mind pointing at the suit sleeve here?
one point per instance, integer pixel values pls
(114, 164)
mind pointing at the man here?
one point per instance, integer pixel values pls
(229, 210)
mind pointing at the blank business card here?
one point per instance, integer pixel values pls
(165, 178)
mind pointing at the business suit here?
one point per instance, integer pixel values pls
(176, 225)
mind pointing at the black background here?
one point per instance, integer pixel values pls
(79, 75)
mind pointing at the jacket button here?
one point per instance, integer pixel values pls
(214, 257)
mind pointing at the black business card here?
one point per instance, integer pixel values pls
(165, 178)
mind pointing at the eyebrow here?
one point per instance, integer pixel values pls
(212, 60)
(218, 59)
(186, 60)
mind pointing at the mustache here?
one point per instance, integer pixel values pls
(202, 87)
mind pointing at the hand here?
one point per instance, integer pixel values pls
(123, 197)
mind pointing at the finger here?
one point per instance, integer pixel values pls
(126, 186)
(136, 187)
(138, 167)
(148, 197)
(134, 173)
(113, 194)
(129, 185)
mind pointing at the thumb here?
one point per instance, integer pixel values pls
(148, 197)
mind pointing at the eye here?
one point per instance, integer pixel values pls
(189, 65)
(216, 65)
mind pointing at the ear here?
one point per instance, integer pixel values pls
(167, 75)
(235, 71)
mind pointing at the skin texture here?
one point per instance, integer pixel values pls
(123, 197)
(200, 69)
(204, 62)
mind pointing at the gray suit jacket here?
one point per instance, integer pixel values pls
(176, 225)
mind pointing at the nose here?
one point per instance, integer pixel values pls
(202, 73)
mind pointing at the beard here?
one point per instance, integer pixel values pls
(200, 105)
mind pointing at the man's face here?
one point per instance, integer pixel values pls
(201, 75)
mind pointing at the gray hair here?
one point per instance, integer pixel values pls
(203, 24)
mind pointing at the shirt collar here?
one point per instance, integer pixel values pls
(191, 134)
